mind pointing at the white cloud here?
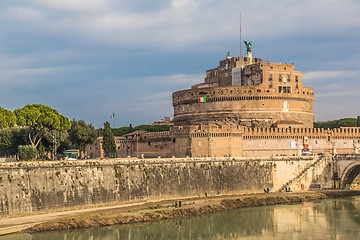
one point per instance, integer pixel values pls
(341, 93)
(32, 77)
(326, 75)
(113, 21)
(25, 14)
(185, 24)
(76, 5)
(176, 79)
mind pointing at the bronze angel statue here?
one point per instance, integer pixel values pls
(248, 46)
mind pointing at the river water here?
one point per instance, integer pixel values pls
(323, 219)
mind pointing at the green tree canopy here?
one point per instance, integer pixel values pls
(6, 141)
(27, 152)
(150, 128)
(40, 119)
(53, 140)
(108, 145)
(82, 134)
(344, 122)
(7, 118)
(11, 138)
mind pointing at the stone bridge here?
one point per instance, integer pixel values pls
(346, 168)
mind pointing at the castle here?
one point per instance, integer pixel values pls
(245, 108)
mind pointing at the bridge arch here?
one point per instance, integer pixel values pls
(350, 173)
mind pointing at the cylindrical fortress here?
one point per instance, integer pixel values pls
(252, 106)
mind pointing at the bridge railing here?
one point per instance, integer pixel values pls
(347, 157)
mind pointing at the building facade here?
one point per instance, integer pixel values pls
(245, 108)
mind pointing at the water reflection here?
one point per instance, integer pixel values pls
(326, 219)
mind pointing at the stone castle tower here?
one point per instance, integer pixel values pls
(247, 91)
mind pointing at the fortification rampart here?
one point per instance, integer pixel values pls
(238, 141)
(240, 92)
(153, 145)
(42, 186)
(244, 105)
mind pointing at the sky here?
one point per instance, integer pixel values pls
(89, 59)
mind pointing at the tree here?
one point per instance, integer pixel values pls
(27, 152)
(358, 121)
(7, 118)
(53, 140)
(10, 139)
(40, 119)
(150, 128)
(20, 135)
(344, 122)
(130, 130)
(153, 128)
(6, 142)
(82, 134)
(108, 145)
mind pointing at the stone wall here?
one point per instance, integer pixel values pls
(153, 147)
(243, 105)
(43, 186)
(239, 141)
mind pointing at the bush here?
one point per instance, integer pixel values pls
(27, 152)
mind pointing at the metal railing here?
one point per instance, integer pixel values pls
(347, 157)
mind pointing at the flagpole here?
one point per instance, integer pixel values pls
(240, 36)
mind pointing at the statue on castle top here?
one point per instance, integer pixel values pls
(248, 46)
(228, 54)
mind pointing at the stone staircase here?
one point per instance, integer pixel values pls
(304, 172)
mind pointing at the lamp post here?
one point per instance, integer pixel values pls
(137, 146)
(54, 136)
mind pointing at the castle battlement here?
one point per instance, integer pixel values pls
(237, 93)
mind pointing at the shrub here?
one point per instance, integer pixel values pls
(27, 152)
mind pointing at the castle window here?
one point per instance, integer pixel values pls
(271, 67)
(296, 79)
(270, 85)
(297, 86)
(280, 77)
(284, 89)
(288, 78)
(270, 77)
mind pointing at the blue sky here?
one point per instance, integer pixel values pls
(88, 59)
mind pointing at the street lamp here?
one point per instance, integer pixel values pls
(54, 136)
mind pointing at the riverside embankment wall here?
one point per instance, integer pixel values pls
(27, 187)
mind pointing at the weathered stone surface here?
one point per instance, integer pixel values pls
(33, 187)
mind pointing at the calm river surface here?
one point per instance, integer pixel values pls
(324, 219)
